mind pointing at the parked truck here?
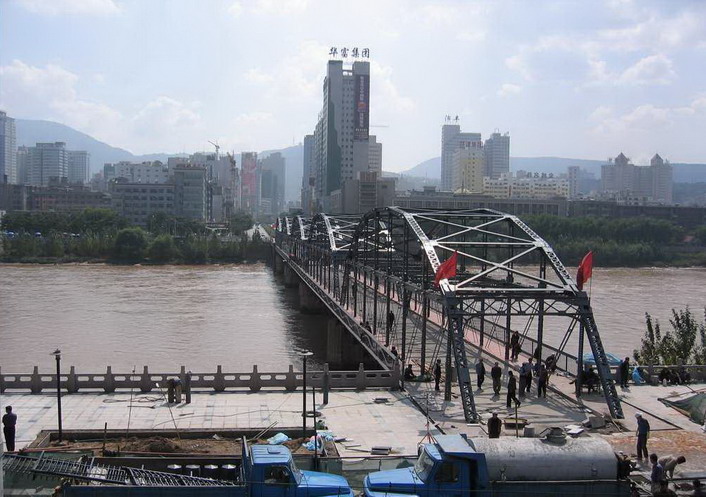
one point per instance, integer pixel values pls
(265, 471)
(457, 466)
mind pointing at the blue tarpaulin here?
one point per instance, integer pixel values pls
(613, 360)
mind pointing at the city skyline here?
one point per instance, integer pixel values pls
(583, 80)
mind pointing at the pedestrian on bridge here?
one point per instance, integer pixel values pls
(480, 372)
(514, 346)
(495, 426)
(624, 372)
(390, 321)
(496, 373)
(9, 421)
(437, 374)
(643, 433)
(511, 391)
(542, 380)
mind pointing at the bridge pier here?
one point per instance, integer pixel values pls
(309, 303)
(290, 277)
(278, 264)
(334, 337)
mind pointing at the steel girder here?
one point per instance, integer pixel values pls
(504, 269)
(333, 232)
(300, 227)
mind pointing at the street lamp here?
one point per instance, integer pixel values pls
(304, 355)
(57, 355)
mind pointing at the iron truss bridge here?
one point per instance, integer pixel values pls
(376, 272)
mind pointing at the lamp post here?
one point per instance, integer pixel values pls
(304, 355)
(57, 355)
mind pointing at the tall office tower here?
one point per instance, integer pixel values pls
(272, 183)
(308, 179)
(22, 165)
(79, 166)
(47, 161)
(375, 157)
(249, 186)
(497, 155)
(623, 180)
(8, 149)
(468, 168)
(574, 172)
(451, 140)
(190, 192)
(342, 132)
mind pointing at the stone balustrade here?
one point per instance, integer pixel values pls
(219, 381)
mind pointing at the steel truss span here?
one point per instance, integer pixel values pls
(507, 279)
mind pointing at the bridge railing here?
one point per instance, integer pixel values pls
(219, 381)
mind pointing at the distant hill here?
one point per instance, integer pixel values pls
(683, 173)
(31, 131)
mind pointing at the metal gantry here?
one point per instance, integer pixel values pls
(381, 266)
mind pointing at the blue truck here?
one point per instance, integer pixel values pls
(457, 466)
(265, 471)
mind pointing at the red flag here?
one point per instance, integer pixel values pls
(585, 270)
(447, 269)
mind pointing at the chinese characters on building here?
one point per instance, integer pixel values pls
(349, 52)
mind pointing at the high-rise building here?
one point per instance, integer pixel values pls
(308, 179)
(46, 161)
(8, 149)
(190, 195)
(272, 183)
(451, 140)
(497, 155)
(79, 166)
(22, 165)
(375, 159)
(249, 187)
(623, 180)
(341, 137)
(574, 172)
(469, 168)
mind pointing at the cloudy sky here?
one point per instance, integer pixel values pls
(574, 79)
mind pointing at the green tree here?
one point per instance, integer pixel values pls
(160, 222)
(162, 249)
(700, 234)
(130, 244)
(649, 351)
(240, 221)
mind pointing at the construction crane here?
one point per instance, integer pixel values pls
(218, 147)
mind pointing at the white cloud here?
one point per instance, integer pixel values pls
(79, 7)
(657, 31)
(281, 7)
(645, 117)
(236, 9)
(651, 70)
(256, 75)
(386, 96)
(508, 89)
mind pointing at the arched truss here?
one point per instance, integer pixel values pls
(300, 227)
(504, 270)
(334, 233)
(507, 277)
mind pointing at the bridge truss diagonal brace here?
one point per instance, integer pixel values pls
(454, 311)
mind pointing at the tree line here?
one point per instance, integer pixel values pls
(102, 235)
(619, 242)
(685, 343)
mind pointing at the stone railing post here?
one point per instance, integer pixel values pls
(36, 381)
(219, 382)
(109, 382)
(182, 376)
(360, 378)
(396, 374)
(255, 383)
(72, 381)
(145, 382)
(2, 382)
(327, 382)
(290, 383)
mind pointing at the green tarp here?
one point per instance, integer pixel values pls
(694, 406)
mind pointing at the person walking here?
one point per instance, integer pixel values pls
(542, 380)
(437, 374)
(9, 421)
(390, 321)
(511, 391)
(514, 346)
(495, 425)
(528, 379)
(480, 372)
(657, 473)
(624, 372)
(643, 433)
(496, 374)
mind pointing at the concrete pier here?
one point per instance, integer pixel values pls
(334, 337)
(309, 303)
